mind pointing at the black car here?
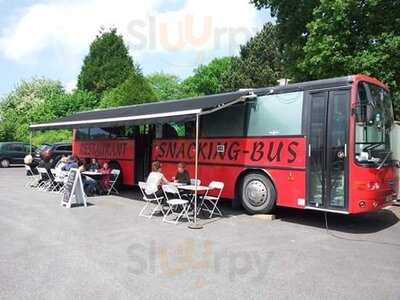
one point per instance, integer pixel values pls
(13, 153)
(53, 152)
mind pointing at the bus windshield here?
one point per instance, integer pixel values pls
(374, 120)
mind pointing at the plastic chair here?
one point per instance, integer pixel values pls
(114, 178)
(149, 200)
(46, 182)
(174, 203)
(32, 178)
(212, 201)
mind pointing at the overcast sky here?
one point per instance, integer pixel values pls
(50, 38)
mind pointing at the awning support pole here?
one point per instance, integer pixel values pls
(30, 142)
(195, 225)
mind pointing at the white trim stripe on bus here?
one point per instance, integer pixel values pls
(122, 119)
(327, 210)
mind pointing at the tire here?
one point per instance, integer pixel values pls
(5, 163)
(258, 195)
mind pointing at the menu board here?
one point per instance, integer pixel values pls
(73, 189)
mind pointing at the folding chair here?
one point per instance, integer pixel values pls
(114, 177)
(174, 203)
(212, 201)
(149, 200)
(58, 184)
(32, 178)
(46, 183)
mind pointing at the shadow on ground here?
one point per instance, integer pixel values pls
(354, 224)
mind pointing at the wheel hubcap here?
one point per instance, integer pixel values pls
(4, 163)
(256, 192)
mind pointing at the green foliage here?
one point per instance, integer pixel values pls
(259, 63)
(168, 87)
(26, 105)
(326, 38)
(350, 36)
(135, 90)
(67, 104)
(39, 100)
(208, 79)
(107, 65)
(292, 17)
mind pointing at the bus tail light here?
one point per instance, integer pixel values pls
(361, 204)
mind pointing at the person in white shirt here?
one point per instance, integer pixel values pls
(155, 180)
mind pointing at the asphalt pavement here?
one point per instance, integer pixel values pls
(106, 251)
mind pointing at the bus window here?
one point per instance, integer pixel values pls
(279, 114)
(173, 130)
(82, 134)
(228, 122)
(99, 133)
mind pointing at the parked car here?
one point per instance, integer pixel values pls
(53, 152)
(13, 153)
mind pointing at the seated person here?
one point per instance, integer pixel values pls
(89, 184)
(46, 164)
(61, 163)
(104, 184)
(182, 175)
(71, 164)
(94, 165)
(28, 160)
(155, 180)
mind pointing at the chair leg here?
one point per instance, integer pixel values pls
(167, 213)
(143, 209)
(215, 208)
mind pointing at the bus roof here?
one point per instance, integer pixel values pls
(177, 110)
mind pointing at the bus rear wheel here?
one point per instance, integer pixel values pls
(258, 194)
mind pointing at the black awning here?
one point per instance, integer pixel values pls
(149, 113)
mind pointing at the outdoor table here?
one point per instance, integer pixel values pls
(177, 184)
(92, 173)
(192, 189)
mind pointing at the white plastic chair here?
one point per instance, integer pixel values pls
(209, 203)
(156, 200)
(59, 178)
(32, 178)
(114, 178)
(174, 203)
(46, 183)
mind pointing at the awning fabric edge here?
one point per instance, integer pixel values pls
(140, 119)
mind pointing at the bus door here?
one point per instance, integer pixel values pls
(143, 145)
(327, 132)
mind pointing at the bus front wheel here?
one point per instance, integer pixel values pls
(258, 194)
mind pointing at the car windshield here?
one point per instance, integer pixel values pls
(374, 120)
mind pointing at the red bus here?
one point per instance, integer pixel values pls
(321, 145)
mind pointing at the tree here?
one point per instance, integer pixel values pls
(292, 18)
(135, 90)
(207, 79)
(24, 105)
(259, 63)
(167, 86)
(69, 103)
(350, 36)
(107, 65)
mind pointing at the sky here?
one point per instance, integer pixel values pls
(50, 38)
